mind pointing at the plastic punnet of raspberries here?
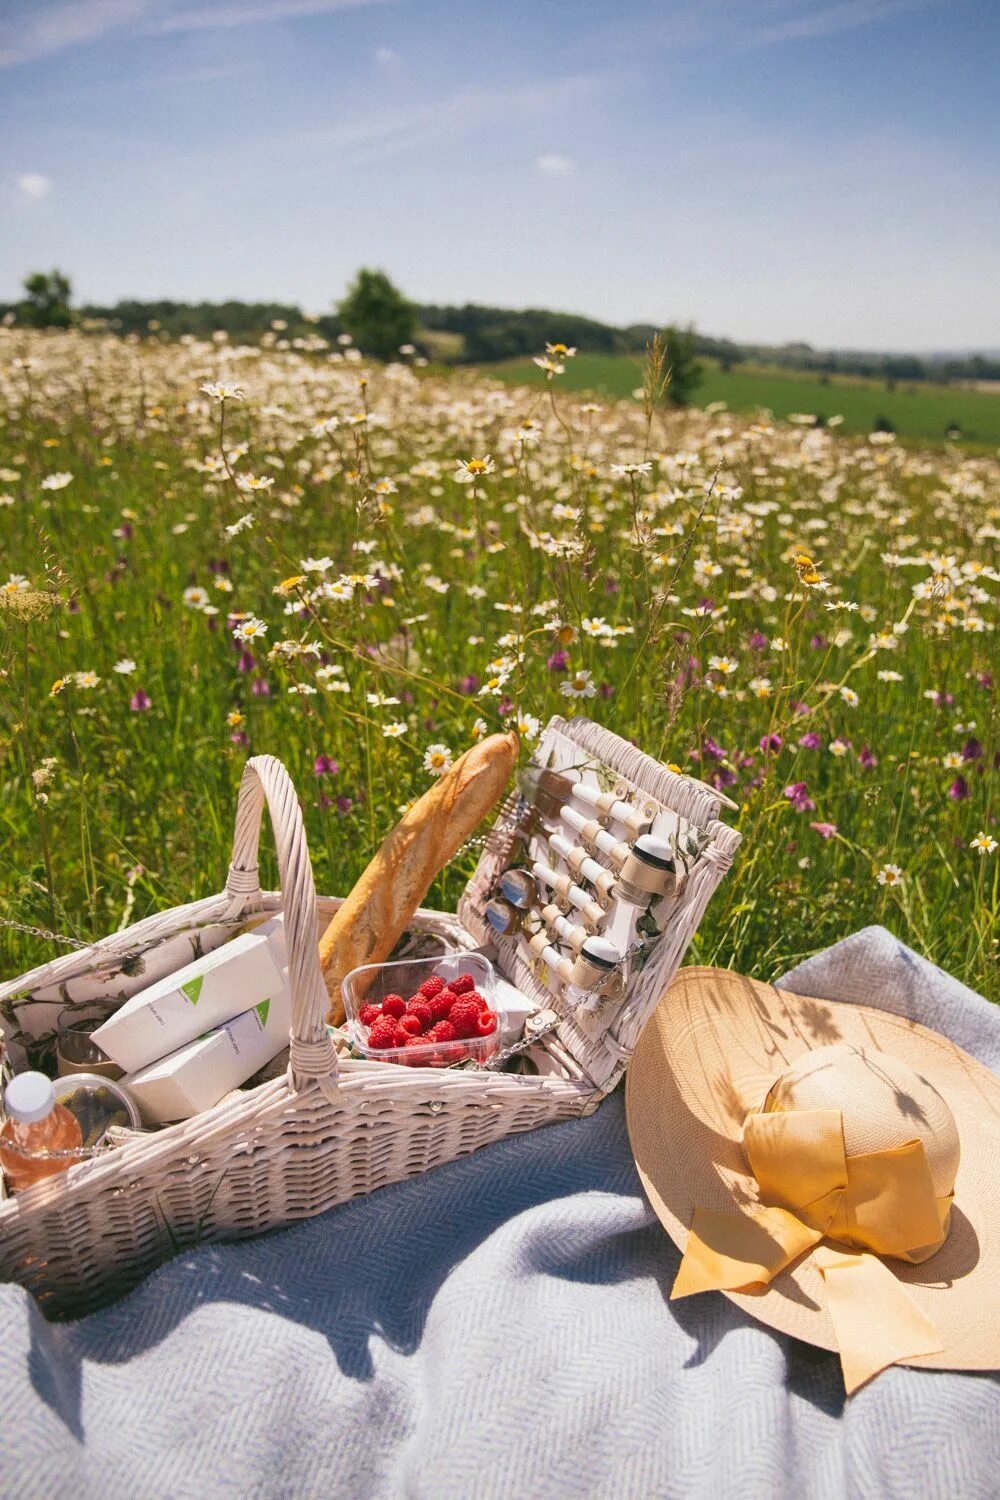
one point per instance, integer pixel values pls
(464, 1016)
(368, 1014)
(462, 985)
(383, 1033)
(394, 1005)
(431, 987)
(422, 1011)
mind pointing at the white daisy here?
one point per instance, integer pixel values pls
(437, 759)
(578, 686)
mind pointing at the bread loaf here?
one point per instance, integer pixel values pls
(366, 928)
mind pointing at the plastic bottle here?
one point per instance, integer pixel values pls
(35, 1123)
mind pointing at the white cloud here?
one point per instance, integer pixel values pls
(209, 17)
(818, 20)
(385, 56)
(37, 31)
(29, 30)
(375, 136)
(555, 166)
(34, 185)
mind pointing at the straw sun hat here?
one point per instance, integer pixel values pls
(834, 1170)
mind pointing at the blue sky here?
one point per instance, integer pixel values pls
(770, 169)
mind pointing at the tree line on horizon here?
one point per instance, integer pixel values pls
(381, 320)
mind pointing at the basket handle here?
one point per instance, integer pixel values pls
(312, 1053)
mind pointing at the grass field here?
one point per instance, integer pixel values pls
(925, 412)
(299, 561)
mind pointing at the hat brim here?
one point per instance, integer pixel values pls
(709, 1054)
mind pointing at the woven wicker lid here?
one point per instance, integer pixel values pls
(712, 1051)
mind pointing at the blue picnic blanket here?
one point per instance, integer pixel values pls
(499, 1327)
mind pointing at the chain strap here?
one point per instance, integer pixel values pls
(43, 932)
(526, 1041)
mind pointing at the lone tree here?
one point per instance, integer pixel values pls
(679, 345)
(377, 315)
(46, 304)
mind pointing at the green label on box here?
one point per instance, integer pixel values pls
(262, 1010)
(192, 989)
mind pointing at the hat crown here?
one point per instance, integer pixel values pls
(884, 1103)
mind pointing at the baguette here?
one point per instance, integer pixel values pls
(366, 928)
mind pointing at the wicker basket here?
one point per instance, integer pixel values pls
(329, 1128)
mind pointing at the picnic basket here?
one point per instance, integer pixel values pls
(329, 1127)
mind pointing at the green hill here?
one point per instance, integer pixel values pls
(921, 410)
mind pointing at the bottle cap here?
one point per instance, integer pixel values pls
(30, 1097)
(654, 851)
(601, 953)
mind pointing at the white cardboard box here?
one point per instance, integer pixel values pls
(204, 994)
(197, 1076)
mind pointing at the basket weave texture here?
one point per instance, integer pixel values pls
(330, 1128)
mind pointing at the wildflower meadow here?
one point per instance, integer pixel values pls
(212, 550)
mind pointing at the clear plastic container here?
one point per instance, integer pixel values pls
(97, 1103)
(369, 985)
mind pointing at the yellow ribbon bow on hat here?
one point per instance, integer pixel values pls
(811, 1189)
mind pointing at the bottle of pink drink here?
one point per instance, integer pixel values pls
(35, 1124)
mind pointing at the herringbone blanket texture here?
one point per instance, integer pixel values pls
(497, 1328)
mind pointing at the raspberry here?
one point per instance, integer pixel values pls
(369, 1013)
(383, 1033)
(422, 1011)
(462, 985)
(393, 1005)
(480, 1000)
(441, 1005)
(464, 1016)
(487, 1023)
(410, 1024)
(431, 987)
(443, 1031)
